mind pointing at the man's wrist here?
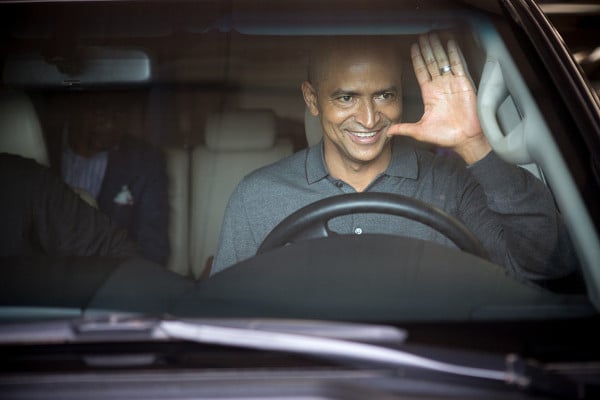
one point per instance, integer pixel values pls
(474, 149)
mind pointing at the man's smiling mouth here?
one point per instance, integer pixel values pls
(364, 134)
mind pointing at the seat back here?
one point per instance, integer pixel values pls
(20, 129)
(237, 143)
(178, 171)
(312, 128)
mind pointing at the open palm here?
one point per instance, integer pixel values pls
(450, 105)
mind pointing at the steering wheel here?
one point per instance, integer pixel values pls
(311, 221)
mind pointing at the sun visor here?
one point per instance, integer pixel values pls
(290, 24)
(84, 67)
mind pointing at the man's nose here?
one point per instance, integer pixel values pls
(367, 114)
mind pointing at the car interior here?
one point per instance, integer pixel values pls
(214, 126)
(221, 97)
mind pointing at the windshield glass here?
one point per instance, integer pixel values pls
(158, 148)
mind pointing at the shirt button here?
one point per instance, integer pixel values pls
(339, 184)
(358, 231)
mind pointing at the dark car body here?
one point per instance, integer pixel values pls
(374, 316)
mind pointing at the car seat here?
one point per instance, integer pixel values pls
(312, 128)
(178, 166)
(237, 142)
(21, 133)
(20, 129)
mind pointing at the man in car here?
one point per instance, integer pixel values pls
(355, 88)
(125, 175)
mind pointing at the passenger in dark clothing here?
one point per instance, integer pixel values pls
(126, 176)
(41, 215)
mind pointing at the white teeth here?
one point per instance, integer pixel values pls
(364, 134)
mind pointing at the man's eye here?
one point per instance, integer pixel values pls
(386, 96)
(345, 99)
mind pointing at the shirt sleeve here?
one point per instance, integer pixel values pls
(68, 226)
(236, 241)
(513, 214)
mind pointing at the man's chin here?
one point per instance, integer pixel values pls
(370, 155)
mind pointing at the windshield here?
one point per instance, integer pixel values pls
(171, 140)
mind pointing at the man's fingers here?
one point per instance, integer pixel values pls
(419, 65)
(456, 60)
(439, 53)
(405, 129)
(428, 57)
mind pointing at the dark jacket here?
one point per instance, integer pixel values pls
(134, 193)
(42, 216)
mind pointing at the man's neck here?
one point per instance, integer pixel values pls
(357, 174)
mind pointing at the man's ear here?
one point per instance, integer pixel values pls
(310, 97)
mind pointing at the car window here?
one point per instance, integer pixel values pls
(158, 110)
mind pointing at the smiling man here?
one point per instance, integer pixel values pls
(355, 88)
(358, 96)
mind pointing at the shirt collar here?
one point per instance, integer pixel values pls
(404, 162)
(68, 152)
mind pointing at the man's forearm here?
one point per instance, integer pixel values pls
(522, 226)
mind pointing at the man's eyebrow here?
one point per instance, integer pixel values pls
(392, 89)
(343, 92)
(349, 92)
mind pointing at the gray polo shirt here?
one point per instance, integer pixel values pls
(508, 209)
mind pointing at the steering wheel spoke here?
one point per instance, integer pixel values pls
(318, 229)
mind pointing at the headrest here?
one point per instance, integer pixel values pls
(20, 129)
(312, 128)
(241, 130)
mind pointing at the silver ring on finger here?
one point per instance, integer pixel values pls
(445, 69)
